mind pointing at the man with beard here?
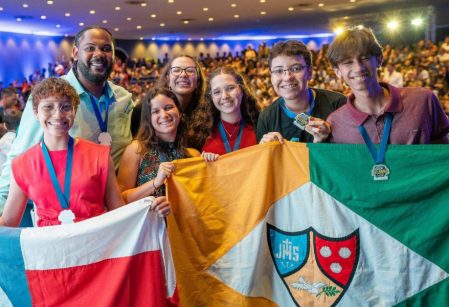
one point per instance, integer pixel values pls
(104, 111)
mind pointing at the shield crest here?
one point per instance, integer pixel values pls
(317, 270)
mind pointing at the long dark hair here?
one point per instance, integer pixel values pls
(197, 94)
(147, 137)
(207, 117)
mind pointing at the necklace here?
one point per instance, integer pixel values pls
(227, 132)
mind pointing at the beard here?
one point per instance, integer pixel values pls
(91, 76)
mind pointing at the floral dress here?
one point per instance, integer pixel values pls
(149, 166)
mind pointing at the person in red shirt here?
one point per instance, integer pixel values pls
(230, 116)
(69, 179)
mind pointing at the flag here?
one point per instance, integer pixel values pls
(121, 258)
(307, 225)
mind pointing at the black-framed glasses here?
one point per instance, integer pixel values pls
(294, 69)
(176, 71)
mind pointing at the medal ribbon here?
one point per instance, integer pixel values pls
(291, 114)
(102, 123)
(225, 140)
(64, 198)
(378, 155)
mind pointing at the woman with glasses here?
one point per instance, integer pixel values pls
(68, 179)
(227, 121)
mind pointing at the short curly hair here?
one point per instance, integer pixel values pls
(54, 87)
(290, 48)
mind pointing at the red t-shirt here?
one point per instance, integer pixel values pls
(216, 145)
(88, 184)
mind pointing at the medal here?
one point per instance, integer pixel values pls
(105, 138)
(380, 172)
(301, 120)
(66, 217)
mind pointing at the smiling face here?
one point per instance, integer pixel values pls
(94, 55)
(226, 94)
(183, 84)
(165, 117)
(290, 85)
(359, 72)
(55, 115)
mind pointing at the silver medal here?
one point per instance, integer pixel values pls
(66, 217)
(380, 172)
(105, 138)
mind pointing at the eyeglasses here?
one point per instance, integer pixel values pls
(294, 69)
(176, 71)
(227, 89)
(51, 108)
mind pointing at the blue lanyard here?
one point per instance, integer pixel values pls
(378, 155)
(64, 198)
(102, 123)
(225, 140)
(291, 114)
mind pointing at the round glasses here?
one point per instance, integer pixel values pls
(176, 71)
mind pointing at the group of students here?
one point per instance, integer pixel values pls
(71, 179)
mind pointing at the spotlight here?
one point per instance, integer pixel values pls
(393, 25)
(338, 30)
(417, 22)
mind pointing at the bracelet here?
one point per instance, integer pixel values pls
(154, 186)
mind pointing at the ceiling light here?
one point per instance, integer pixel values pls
(162, 24)
(171, 1)
(128, 18)
(153, 38)
(263, 13)
(205, 9)
(19, 19)
(393, 25)
(320, 4)
(178, 12)
(291, 8)
(189, 38)
(58, 26)
(233, 5)
(25, 5)
(186, 21)
(236, 16)
(138, 27)
(104, 21)
(67, 14)
(92, 12)
(210, 19)
(262, 1)
(50, 2)
(338, 30)
(81, 24)
(201, 39)
(352, 1)
(153, 16)
(66, 35)
(177, 39)
(143, 4)
(43, 17)
(117, 8)
(416, 22)
(141, 38)
(116, 29)
(1, 9)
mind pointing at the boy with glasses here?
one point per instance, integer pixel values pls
(298, 115)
